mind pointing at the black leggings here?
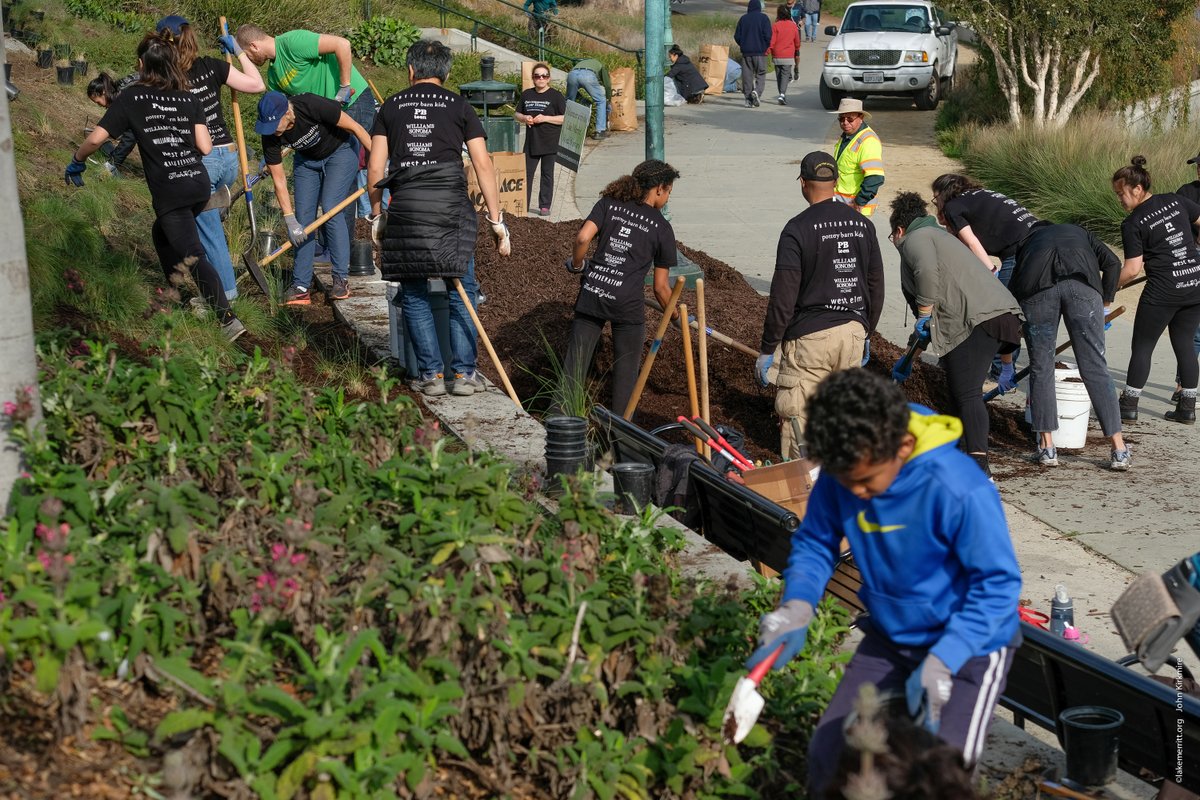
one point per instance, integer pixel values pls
(546, 188)
(628, 338)
(1181, 322)
(966, 366)
(177, 242)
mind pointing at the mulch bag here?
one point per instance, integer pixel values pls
(671, 95)
(624, 100)
(713, 58)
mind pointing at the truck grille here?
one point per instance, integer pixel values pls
(874, 58)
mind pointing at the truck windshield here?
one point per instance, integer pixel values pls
(898, 18)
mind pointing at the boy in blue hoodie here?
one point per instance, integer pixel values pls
(940, 579)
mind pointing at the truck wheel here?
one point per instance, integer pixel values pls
(929, 97)
(829, 98)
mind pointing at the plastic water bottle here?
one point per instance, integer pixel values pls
(1062, 611)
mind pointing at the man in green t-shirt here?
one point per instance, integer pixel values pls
(314, 63)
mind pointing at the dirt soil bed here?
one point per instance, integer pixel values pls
(529, 309)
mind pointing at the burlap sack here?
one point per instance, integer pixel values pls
(624, 100)
(711, 63)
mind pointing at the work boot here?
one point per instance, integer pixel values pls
(1185, 411)
(1129, 405)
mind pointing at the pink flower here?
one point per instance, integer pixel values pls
(278, 551)
(10, 408)
(297, 559)
(266, 581)
(44, 557)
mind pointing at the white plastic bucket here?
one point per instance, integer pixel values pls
(1074, 408)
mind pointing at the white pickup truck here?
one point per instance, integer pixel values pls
(890, 48)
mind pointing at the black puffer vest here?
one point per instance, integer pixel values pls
(431, 224)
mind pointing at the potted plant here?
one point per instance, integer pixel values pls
(62, 51)
(66, 73)
(45, 55)
(79, 62)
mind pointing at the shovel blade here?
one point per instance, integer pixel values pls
(745, 705)
(255, 271)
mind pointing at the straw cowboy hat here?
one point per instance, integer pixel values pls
(851, 106)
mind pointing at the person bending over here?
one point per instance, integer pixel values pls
(940, 579)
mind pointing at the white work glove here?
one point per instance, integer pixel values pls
(928, 688)
(761, 365)
(111, 169)
(378, 226)
(344, 94)
(500, 232)
(786, 627)
(295, 231)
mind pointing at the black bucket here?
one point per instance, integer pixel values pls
(362, 257)
(1090, 738)
(634, 485)
(566, 449)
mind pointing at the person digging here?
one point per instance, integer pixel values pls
(940, 578)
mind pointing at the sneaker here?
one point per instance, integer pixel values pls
(296, 296)
(468, 384)
(781, 100)
(1047, 457)
(598, 135)
(430, 387)
(341, 288)
(544, 211)
(749, 103)
(233, 329)
(754, 98)
(198, 307)
(1121, 459)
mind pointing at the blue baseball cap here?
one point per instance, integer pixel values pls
(173, 23)
(271, 109)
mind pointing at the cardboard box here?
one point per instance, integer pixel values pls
(510, 182)
(788, 484)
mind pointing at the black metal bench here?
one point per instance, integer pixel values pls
(741, 522)
(1161, 734)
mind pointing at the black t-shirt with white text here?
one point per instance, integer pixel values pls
(1160, 231)
(426, 124)
(542, 139)
(163, 121)
(828, 271)
(315, 134)
(999, 223)
(633, 238)
(206, 78)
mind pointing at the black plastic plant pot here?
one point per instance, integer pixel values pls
(362, 257)
(66, 75)
(45, 58)
(80, 67)
(62, 50)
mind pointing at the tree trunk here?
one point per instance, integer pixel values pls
(18, 365)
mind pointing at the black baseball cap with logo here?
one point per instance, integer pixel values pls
(818, 166)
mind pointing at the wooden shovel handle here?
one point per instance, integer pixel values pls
(690, 369)
(237, 120)
(487, 343)
(644, 375)
(312, 226)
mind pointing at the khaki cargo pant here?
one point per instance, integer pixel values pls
(803, 363)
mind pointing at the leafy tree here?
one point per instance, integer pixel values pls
(1049, 53)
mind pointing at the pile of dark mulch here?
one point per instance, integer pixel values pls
(528, 316)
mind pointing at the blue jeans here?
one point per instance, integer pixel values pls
(1007, 266)
(586, 79)
(422, 329)
(222, 166)
(362, 111)
(324, 182)
(1080, 307)
(810, 25)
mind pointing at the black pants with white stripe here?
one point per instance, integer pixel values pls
(965, 718)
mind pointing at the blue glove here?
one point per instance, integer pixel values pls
(921, 329)
(1107, 322)
(866, 353)
(344, 94)
(928, 689)
(901, 370)
(787, 626)
(1007, 380)
(761, 366)
(227, 44)
(74, 173)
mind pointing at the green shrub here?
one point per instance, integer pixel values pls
(1065, 175)
(384, 41)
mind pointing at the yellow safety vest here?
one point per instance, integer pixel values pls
(860, 157)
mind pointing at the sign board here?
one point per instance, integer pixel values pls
(574, 132)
